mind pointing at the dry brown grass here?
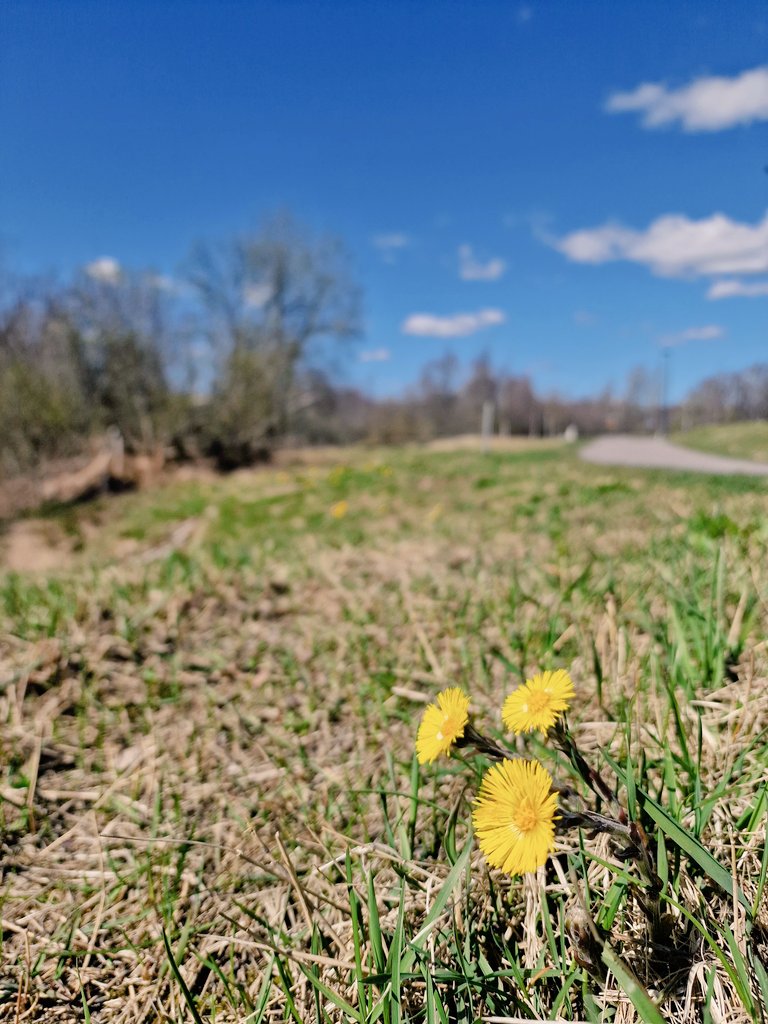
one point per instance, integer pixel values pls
(194, 739)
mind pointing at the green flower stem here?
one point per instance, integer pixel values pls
(472, 738)
(637, 848)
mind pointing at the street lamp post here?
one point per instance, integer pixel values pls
(664, 418)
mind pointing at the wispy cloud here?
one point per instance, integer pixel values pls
(709, 332)
(256, 296)
(706, 104)
(460, 325)
(584, 318)
(732, 288)
(104, 269)
(375, 355)
(675, 246)
(472, 269)
(163, 283)
(390, 244)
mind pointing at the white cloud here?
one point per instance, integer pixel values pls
(162, 282)
(704, 105)
(584, 318)
(709, 332)
(471, 269)
(390, 244)
(459, 325)
(524, 14)
(375, 355)
(255, 296)
(104, 269)
(731, 288)
(395, 240)
(675, 246)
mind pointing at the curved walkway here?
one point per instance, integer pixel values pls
(658, 453)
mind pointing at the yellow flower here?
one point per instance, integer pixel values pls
(514, 816)
(443, 723)
(538, 703)
(340, 509)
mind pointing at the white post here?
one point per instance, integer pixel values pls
(486, 425)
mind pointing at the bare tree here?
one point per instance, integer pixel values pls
(45, 411)
(641, 399)
(272, 302)
(519, 411)
(728, 397)
(481, 387)
(437, 389)
(126, 347)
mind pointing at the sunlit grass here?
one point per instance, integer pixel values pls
(226, 659)
(740, 440)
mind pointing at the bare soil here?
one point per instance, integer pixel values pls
(35, 546)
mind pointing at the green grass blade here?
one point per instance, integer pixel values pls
(329, 994)
(642, 1002)
(86, 1011)
(290, 1005)
(188, 997)
(263, 998)
(395, 963)
(374, 928)
(690, 845)
(441, 900)
(729, 969)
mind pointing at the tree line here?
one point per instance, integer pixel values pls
(239, 355)
(221, 364)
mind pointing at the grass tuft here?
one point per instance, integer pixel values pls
(223, 660)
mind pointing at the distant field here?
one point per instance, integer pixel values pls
(209, 700)
(740, 440)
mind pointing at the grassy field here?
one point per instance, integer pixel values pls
(211, 805)
(741, 440)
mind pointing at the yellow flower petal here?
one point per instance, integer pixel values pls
(442, 724)
(514, 816)
(539, 702)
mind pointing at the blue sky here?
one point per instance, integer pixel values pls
(565, 186)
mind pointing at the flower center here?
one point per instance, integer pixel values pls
(449, 727)
(538, 701)
(526, 815)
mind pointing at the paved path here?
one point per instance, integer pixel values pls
(658, 453)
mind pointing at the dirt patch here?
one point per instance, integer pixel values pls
(35, 545)
(474, 442)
